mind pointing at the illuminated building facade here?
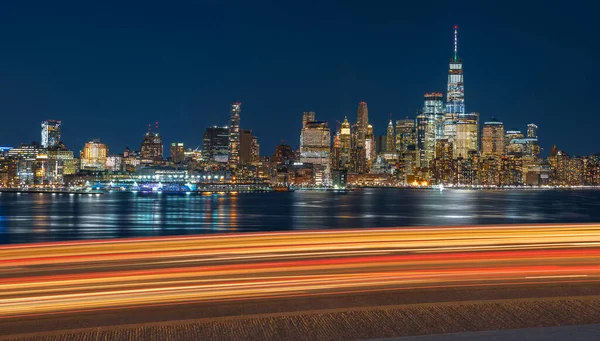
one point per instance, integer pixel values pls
(406, 145)
(215, 144)
(255, 150)
(362, 123)
(467, 135)
(50, 133)
(389, 142)
(93, 156)
(370, 146)
(234, 135)
(532, 131)
(177, 152)
(284, 154)
(315, 148)
(151, 148)
(433, 107)
(345, 143)
(443, 164)
(492, 140)
(425, 140)
(455, 98)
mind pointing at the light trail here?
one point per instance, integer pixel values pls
(47, 278)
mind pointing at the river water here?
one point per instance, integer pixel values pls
(28, 217)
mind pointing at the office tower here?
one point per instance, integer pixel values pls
(315, 148)
(467, 135)
(434, 108)
(152, 147)
(370, 146)
(532, 131)
(362, 123)
(50, 133)
(245, 146)
(406, 145)
(492, 140)
(389, 142)
(443, 164)
(345, 143)
(509, 136)
(308, 116)
(255, 153)
(336, 151)
(425, 139)
(455, 99)
(234, 135)
(93, 156)
(215, 144)
(177, 152)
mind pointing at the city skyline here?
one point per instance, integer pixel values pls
(500, 61)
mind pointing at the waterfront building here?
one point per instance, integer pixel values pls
(234, 135)
(177, 152)
(151, 148)
(114, 163)
(315, 148)
(215, 144)
(455, 98)
(50, 133)
(23, 164)
(492, 139)
(93, 156)
(339, 178)
(467, 135)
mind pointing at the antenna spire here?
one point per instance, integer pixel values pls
(455, 42)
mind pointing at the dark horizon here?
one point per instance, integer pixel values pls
(107, 70)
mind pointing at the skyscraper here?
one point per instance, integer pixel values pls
(315, 148)
(345, 143)
(370, 146)
(389, 143)
(492, 139)
(362, 123)
(245, 146)
(215, 144)
(234, 135)
(532, 131)
(467, 135)
(308, 116)
(406, 145)
(434, 108)
(152, 147)
(425, 139)
(455, 99)
(50, 133)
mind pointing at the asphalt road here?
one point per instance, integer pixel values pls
(54, 286)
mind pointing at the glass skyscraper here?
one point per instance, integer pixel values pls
(50, 133)
(455, 99)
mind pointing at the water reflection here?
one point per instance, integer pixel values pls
(34, 217)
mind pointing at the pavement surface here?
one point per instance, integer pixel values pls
(88, 284)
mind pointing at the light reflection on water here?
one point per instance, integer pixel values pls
(33, 217)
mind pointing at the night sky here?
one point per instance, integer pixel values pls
(107, 69)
